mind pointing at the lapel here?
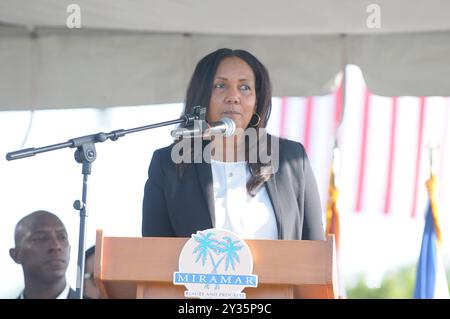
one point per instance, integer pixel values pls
(206, 183)
(72, 294)
(272, 190)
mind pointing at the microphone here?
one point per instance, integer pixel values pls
(225, 127)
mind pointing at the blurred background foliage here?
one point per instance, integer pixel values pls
(396, 284)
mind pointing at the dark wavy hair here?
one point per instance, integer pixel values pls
(200, 89)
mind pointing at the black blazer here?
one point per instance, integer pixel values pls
(72, 294)
(179, 207)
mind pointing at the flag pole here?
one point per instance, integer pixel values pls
(432, 189)
(332, 215)
(431, 281)
(332, 212)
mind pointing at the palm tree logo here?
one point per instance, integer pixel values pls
(216, 251)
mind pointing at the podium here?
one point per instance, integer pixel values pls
(143, 267)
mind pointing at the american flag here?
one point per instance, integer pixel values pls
(383, 143)
(383, 165)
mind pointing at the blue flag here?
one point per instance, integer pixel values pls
(431, 281)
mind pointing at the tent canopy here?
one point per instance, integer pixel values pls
(143, 52)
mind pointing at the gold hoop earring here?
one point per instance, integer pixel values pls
(252, 120)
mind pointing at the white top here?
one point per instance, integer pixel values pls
(63, 295)
(235, 210)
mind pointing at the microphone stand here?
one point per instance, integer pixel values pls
(86, 154)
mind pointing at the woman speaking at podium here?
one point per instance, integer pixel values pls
(254, 184)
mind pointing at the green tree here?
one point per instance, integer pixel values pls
(396, 284)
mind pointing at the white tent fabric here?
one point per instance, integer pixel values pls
(143, 52)
(253, 17)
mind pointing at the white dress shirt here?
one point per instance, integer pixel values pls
(235, 210)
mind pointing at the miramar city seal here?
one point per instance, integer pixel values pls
(215, 263)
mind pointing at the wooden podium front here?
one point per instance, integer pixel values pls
(143, 267)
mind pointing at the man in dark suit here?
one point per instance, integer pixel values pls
(43, 250)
